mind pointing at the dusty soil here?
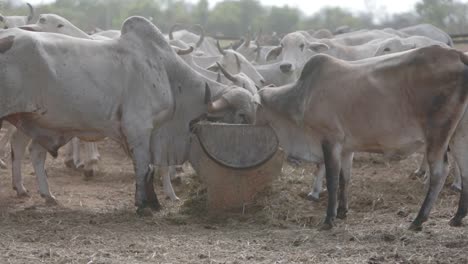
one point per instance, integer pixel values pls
(96, 221)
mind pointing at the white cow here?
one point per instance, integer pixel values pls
(134, 90)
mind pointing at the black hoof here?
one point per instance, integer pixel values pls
(456, 222)
(312, 197)
(144, 212)
(155, 206)
(327, 225)
(70, 164)
(415, 227)
(341, 214)
(88, 174)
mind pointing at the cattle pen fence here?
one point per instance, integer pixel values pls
(459, 38)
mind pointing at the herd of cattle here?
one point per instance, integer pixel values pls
(326, 96)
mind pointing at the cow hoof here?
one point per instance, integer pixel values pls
(144, 212)
(455, 222)
(455, 188)
(179, 169)
(417, 174)
(313, 197)
(23, 194)
(341, 214)
(415, 227)
(3, 165)
(80, 166)
(88, 174)
(51, 201)
(70, 164)
(174, 199)
(326, 226)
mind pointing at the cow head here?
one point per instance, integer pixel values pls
(236, 105)
(55, 24)
(235, 63)
(295, 49)
(240, 79)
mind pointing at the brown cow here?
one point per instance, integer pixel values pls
(384, 104)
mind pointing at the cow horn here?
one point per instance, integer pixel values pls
(223, 52)
(236, 45)
(218, 77)
(31, 12)
(226, 73)
(171, 30)
(259, 35)
(238, 62)
(248, 39)
(201, 30)
(258, 50)
(182, 52)
(208, 95)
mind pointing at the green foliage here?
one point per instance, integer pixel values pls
(235, 17)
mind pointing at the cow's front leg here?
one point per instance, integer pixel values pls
(332, 158)
(38, 158)
(19, 142)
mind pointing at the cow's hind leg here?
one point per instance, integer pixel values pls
(317, 188)
(457, 181)
(438, 167)
(332, 158)
(19, 142)
(3, 144)
(345, 176)
(460, 153)
(38, 158)
(166, 174)
(91, 159)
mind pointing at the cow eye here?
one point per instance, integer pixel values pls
(302, 46)
(60, 25)
(42, 20)
(6, 27)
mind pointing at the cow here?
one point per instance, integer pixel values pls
(430, 31)
(384, 104)
(16, 21)
(134, 90)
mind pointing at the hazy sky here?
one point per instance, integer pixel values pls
(311, 6)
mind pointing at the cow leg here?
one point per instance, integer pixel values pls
(438, 168)
(345, 176)
(457, 181)
(167, 173)
(79, 162)
(317, 188)
(72, 154)
(19, 142)
(38, 158)
(145, 197)
(91, 159)
(3, 143)
(423, 166)
(460, 153)
(332, 158)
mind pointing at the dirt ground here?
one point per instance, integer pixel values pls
(96, 220)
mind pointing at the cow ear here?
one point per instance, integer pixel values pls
(318, 47)
(2, 18)
(274, 53)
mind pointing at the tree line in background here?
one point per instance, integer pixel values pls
(234, 17)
